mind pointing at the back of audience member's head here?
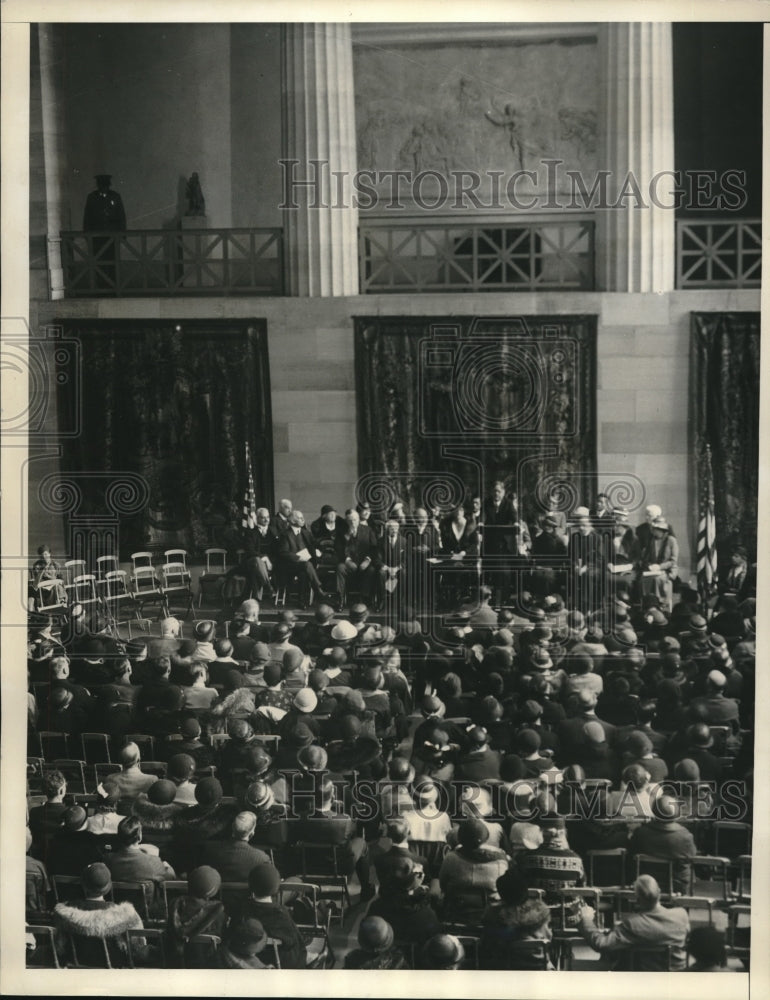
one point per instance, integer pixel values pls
(244, 825)
(129, 755)
(54, 783)
(129, 832)
(397, 829)
(223, 648)
(161, 666)
(647, 892)
(181, 767)
(199, 672)
(636, 776)
(706, 944)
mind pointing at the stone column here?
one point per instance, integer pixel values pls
(636, 245)
(321, 228)
(53, 147)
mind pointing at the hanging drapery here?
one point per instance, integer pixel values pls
(448, 405)
(176, 403)
(724, 414)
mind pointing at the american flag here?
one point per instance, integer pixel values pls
(249, 519)
(706, 548)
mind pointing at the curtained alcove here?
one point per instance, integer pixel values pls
(724, 414)
(175, 403)
(447, 405)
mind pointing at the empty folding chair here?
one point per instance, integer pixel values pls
(710, 877)
(54, 746)
(661, 869)
(144, 741)
(212, 578)
(95, 748)
(731, 838)
(140, 894)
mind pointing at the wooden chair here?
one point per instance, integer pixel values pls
(43, 955)
(117, 595)
(744, 878)
(146, 948)
(140, 894)
(83, 590)
(53, 745)
(648, 959)
(106, 565)
(144, 741)
(102, 771)
(322, 865)
(89, 952)
(607, 868)
(147, 590)
(698, 903)
(213, 575)
(66, 887)
(732, 839)
(176, 579)
(48, 598)
(661, 869)
(35, 774)
(73, 771)
(316, 934)
(432, 853)
(716, 884)
(200, 951)
(738, 934)
(36, 893)
(156, 767)
(73, 568)
(95, 748)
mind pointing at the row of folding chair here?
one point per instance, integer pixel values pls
(712, 877)
(144, 948)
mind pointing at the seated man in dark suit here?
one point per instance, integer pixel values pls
(260, 550)
(357, 567)
(297, 553)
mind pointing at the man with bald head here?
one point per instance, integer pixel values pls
(650, 926)
(131, 781)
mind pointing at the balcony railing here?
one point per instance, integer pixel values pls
(484, 255)
(173, 262)
(718, 253)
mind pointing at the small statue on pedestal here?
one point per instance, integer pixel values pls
(196, 203)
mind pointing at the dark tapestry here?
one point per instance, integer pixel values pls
(448, 405)
(724, 413)
(175, 402)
